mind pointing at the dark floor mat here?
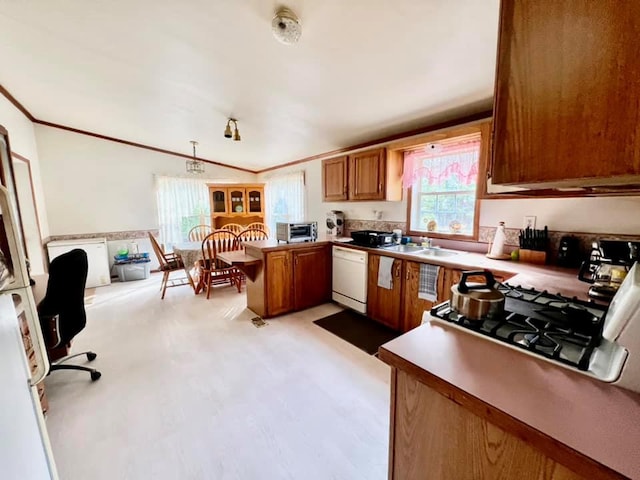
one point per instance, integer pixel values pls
(358, 330)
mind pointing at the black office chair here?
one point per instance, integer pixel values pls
(61, 312)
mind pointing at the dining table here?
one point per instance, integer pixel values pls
(191, 254)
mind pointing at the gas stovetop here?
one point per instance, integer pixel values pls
(560, 329)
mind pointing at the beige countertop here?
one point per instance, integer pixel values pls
(593, 418)
(540, 277)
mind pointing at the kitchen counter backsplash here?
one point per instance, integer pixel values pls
(485, 235)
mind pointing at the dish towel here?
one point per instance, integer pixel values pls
(428, 288)
(385, 279)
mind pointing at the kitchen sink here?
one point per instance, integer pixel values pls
(439, 252)
(405, 249)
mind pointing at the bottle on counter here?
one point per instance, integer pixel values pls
(497, 247)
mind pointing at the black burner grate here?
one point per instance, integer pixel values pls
(563, 329)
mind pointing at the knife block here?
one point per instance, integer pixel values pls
(533, 256)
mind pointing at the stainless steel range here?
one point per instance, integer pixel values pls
(590, 338)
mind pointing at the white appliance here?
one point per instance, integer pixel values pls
(25, 452)
(335, 223)
(97, 256)
(349, 282)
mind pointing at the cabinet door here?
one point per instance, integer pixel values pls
(237, 201)
(279, 283)
(567, 78)
(367, 175)
(413, 306)
(255, 200)
(218, 199)
(452, 277)
(311, 274)
(383, 305)
(334, 179)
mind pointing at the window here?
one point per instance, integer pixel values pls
(285, 195)
(183, 203)
(443, 177)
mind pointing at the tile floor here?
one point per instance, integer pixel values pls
(191, 389)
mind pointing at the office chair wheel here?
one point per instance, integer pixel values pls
(95, 375)
(91, 356)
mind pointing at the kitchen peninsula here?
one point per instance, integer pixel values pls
(283, 277)
(463, 407)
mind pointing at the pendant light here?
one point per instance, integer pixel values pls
(235, 134)
(195, 166)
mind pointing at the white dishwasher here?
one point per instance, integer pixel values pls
(350, 278)
(97, 256)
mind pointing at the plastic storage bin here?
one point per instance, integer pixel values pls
(133, 271)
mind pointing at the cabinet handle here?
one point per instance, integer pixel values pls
(295, 261)
(408, 274)
(380, 187)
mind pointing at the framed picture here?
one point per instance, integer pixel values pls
(529, 222)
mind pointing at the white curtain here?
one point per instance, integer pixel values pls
(286, 199)
(183, 203)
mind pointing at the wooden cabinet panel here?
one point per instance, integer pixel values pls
(431, 433)
(367, 175)
(413, 307)
(279, 283)
(334, 179)
(241, 203)
(384, 305)
(567, 90)
(311, 277)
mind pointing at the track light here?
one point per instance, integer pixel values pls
(236, 133)
(227, 131)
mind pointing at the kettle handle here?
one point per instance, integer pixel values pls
(490, 281)
(584, 269)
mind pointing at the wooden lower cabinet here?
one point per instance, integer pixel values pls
(383, 304)
(279, 283)
(292, 280)
(413, 306)
(434, 438)
(400, 308)
(311, 277)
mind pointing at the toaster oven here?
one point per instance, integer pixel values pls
(297, 232)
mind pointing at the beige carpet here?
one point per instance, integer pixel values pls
(191, 390)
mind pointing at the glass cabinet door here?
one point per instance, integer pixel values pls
(255, 201)
(236, 200)
(219, 201)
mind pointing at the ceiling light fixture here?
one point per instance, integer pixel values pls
(194, 166)
(286, 26)
(236, 133)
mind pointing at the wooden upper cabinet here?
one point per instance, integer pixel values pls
(334, 179)
(367, 175)
(255, 200)
(384, 305)
(278, 283)
(567, 94)
(311, 277)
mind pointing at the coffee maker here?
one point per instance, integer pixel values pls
(335, 223)
(607, 267)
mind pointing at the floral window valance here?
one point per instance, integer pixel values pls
(436, 163)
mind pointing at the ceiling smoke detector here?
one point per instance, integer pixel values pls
(286, 26)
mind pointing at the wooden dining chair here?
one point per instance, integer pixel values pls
(169, 262)
(213, 270)
(233, 227)
(252, 234)
(258, 225)
(197, 233)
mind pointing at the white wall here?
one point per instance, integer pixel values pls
(619, 215)
(93, 185)
(23, 141)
